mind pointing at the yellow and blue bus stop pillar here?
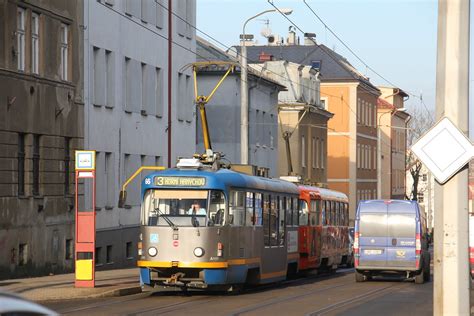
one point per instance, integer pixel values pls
(85, 221)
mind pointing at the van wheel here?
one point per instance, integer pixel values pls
(420, 278)
(427, 269)
(359, 276)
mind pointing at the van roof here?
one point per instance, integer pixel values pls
(394, 206)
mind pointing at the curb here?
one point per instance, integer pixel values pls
(109, 293)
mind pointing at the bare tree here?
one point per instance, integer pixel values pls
(420, 121)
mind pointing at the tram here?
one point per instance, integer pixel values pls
(323, 228)
(216, 229)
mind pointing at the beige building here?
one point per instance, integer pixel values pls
(392, 122)
(302, 130)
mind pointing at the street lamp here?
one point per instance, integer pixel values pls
(379, 149)
(244, 110)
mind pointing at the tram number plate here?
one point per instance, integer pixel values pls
(373, 252)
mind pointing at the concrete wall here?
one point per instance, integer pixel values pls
(126, 96)
(41, 124)
(223, 114)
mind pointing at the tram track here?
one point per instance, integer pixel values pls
(357, 299)
(204, 297)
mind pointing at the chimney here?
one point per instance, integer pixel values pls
(263, 57)
(309, 39)
(291, 36)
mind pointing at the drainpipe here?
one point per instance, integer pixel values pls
(170, 78)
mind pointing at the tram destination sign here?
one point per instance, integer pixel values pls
(180, 181)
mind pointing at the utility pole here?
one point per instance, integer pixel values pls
(451, 271)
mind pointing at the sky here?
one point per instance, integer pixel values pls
(395, 38)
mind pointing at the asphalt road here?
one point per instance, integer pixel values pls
(336, 294)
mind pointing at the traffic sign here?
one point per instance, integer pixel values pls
(85, 159)
(444, 150)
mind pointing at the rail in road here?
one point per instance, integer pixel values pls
(312, 295)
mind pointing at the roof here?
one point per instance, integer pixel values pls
(383, 104)
(334, 67)
(207, 52)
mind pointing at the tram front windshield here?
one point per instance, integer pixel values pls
(183, 208)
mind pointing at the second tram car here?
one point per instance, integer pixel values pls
(323, 228)
(216, 229)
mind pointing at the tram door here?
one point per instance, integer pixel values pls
(315, 224)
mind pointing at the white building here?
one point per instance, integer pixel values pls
(127, 119)
(425, 193)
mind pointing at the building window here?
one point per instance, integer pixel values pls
(21, 164)
(109, 178)
(316, 64)
(108, 254)
(303, 152)
(23, 254)
(98, 256)
(69, 253)
(322, 161)
(67, 160)
(109, 79)
(64, 51)
(35, 43)
(36, 161)
(20, 36)
(315, 153)
(128, 250)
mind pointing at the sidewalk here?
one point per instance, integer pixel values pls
(118, 282)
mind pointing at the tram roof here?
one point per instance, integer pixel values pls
(223, 179)
(324, 193)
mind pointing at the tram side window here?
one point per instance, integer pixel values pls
(289, 211)
(304, 212)
(346, 208)
(281, 221)
(318, 212)
(313, 213)
(216, 208)
(294, 207)
(273, 221)
(340, 210)
(323, 213)
(266, 219)
(328, 213)
(334, 212)
(237, 208)
(249, 207)
(258, 209)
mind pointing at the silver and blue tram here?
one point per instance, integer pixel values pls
(216, 229)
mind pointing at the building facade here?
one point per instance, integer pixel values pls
(392, 122)
(302, 119)
(41, 124)
(138, 106)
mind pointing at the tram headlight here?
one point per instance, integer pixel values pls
(152, 251)
(198, 252)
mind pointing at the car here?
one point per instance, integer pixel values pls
(13, 304)
(350, 257)
(391, 238)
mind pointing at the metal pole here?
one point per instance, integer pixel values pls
(244, 109)
(379, 162)
(451, 281)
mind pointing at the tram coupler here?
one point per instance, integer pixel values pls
(174, 280)
(197, 285)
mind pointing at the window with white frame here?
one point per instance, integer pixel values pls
(64, 51)
(321, 154)
(35, 38)
(369, 156)
(315, 153)
(358, 155)
(20, 37)
(303, 152)
(358, 110)
(318, 149)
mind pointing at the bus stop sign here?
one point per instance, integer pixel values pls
(444, 150)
